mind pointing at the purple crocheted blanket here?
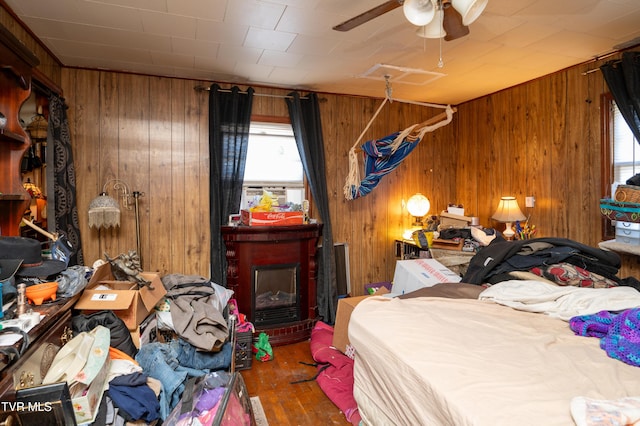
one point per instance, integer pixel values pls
(619, 333)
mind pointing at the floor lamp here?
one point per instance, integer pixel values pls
(104, 210)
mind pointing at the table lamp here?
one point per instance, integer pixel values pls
(508, 211)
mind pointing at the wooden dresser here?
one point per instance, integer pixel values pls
(53, 330)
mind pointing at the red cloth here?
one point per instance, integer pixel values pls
(336, 371)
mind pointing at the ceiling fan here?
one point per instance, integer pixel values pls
(436, 18)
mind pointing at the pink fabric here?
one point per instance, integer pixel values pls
(336, 380)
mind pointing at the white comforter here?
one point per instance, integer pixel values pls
(456, 362)
(561, 302)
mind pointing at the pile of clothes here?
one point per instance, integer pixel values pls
(559, 260)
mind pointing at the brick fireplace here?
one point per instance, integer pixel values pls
(272, 271)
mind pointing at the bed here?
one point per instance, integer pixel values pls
(455, 359)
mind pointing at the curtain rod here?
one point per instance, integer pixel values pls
(267, 95)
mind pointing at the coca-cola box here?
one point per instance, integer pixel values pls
(274, 218)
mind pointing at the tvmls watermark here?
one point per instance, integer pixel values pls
(26, 406)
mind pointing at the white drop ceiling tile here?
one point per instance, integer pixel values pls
(219, 32)
(622, 29)
(172, 59)
(224, 65)
(506, 8)
(156, 5)
(239, 53)
(311, 4)
(253, 72)
(333, 65)
(556, 7)
(106, 36)
(275, 58)
(356, 50)
(543, 63)
(168, 25)
(298, 20)
(471, 50)
(194, 48)
(254, 13)
(102, 53)
(489, 26)
(313, 45)
(574, 45)
(63, 10)
(526, 35)
(201, 9)
(287, 75)
(194, 74)
(110, 16)
(269, 39)
(346, 9)
(503, 56)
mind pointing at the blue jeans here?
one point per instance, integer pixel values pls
(174, 362)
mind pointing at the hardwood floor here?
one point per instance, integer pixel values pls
(287, 404)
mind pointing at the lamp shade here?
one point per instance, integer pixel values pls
(104, 212)
(418, 205)
(419, 12)
(433, 29)
(508, 210)
(470, 10)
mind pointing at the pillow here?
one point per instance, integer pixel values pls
(571, 275)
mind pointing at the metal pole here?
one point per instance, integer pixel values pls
(136, 196)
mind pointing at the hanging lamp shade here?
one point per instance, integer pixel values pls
(419, 12)
(104, 212)
(433, 29)
(470, 10)
(38, 127)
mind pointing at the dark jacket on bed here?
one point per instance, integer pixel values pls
(499, 257)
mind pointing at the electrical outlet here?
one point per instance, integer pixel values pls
(530, 202)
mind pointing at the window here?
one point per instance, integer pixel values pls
(626, 155)
(273, 164)
(621, 154)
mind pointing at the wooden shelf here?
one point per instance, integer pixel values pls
(14, 197)
(8, 135)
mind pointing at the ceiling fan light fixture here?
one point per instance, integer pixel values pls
(470, 10)
(419, 12)
(453, 25)
(433, 29)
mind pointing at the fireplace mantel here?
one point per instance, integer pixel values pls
(251, 247)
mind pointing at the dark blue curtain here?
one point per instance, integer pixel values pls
(623, 79)
(229, 120)
(307, 130)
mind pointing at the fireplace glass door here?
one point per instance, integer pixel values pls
(275, 293)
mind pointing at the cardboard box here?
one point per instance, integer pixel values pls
(346, 305)
(271, 218)
(455, 245)
(456, 210)
(124, 298)
(448, 220)
(86, 399)
(411, 275)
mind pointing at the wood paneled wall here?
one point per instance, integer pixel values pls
(49, 66)
(540, 139)
(153, 133)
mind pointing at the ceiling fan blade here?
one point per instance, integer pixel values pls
(369, 15)
(452, 23)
